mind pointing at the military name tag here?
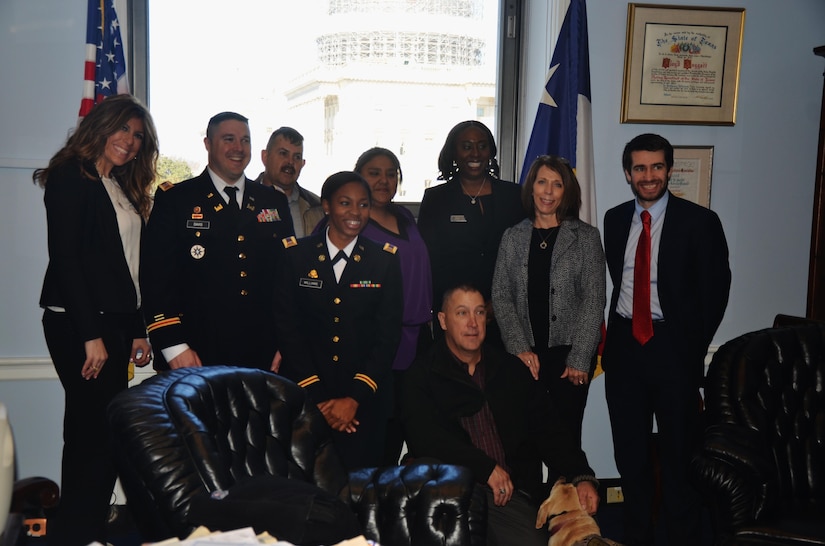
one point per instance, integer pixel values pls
(197, 224)
(310, 283)
(458, 218)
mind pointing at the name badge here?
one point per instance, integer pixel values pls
(197, 224)
(310, 283)
(458, 218)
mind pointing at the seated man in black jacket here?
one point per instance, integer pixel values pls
(474, 405)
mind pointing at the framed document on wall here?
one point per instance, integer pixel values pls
(692, 171)
(682, 64)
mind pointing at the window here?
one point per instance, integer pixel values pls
(347, 74)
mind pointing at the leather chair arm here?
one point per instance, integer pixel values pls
(421, 504)
(735, 474)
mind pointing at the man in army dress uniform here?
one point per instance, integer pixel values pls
(208, 262)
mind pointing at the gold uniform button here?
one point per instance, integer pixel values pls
(197, 234)
(335, 358)
(244, 292)
(243, 274)
(242, 256)
(336, 301)
(335, 339)
(240, 238)
(336, 319)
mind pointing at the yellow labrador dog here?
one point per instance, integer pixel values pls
(570, 525)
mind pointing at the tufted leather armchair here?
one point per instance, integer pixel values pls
(190, 431)
(761, 468)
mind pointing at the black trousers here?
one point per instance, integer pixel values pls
(569, 399)
(640, 382)
(87, 470)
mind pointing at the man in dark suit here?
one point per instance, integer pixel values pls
(664, 311)
(209, 258)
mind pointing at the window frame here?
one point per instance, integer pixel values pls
(507, 77)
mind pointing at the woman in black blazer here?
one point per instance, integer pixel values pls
(340, 321)
(97, 198)
(463, 219)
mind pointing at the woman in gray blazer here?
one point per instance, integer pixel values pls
(549, 287)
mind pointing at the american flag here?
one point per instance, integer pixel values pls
(105, 69)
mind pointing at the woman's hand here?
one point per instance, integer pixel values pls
(531, 360)
(575, 376)
(96, 356)
(141, 352)
(340, 413)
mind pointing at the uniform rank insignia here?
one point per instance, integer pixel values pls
(289, 241)
(166, 185)
(392, 249)
(269, 215)
(365, 284)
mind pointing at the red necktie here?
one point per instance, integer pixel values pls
(642, 321)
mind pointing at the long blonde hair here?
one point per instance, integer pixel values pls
(86, 144)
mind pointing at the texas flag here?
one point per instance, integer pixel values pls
(105, 69)
(563, 124)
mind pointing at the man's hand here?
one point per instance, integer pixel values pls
(499, 482)
(588, 497)
(276, 362)
(187, 359)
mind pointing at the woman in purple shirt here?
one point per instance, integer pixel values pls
(392, 224)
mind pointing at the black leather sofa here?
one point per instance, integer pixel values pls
(186, 432)
(761, 467)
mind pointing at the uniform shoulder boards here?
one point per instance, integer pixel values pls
(289, 241)
(166, 186)
(392, 249)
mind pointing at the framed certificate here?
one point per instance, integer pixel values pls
(682, 64)
(692, 171)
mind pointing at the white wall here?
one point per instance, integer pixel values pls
(762, 178)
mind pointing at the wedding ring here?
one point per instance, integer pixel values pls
(502, 491)
(581, 381)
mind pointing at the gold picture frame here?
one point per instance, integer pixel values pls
(682, 64)
(692, 172)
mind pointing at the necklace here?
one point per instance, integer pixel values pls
(550, 232)
(474, 197)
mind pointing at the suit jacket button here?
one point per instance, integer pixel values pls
(335, 358)
(552, 290)
(553, 318)
(336, 339)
